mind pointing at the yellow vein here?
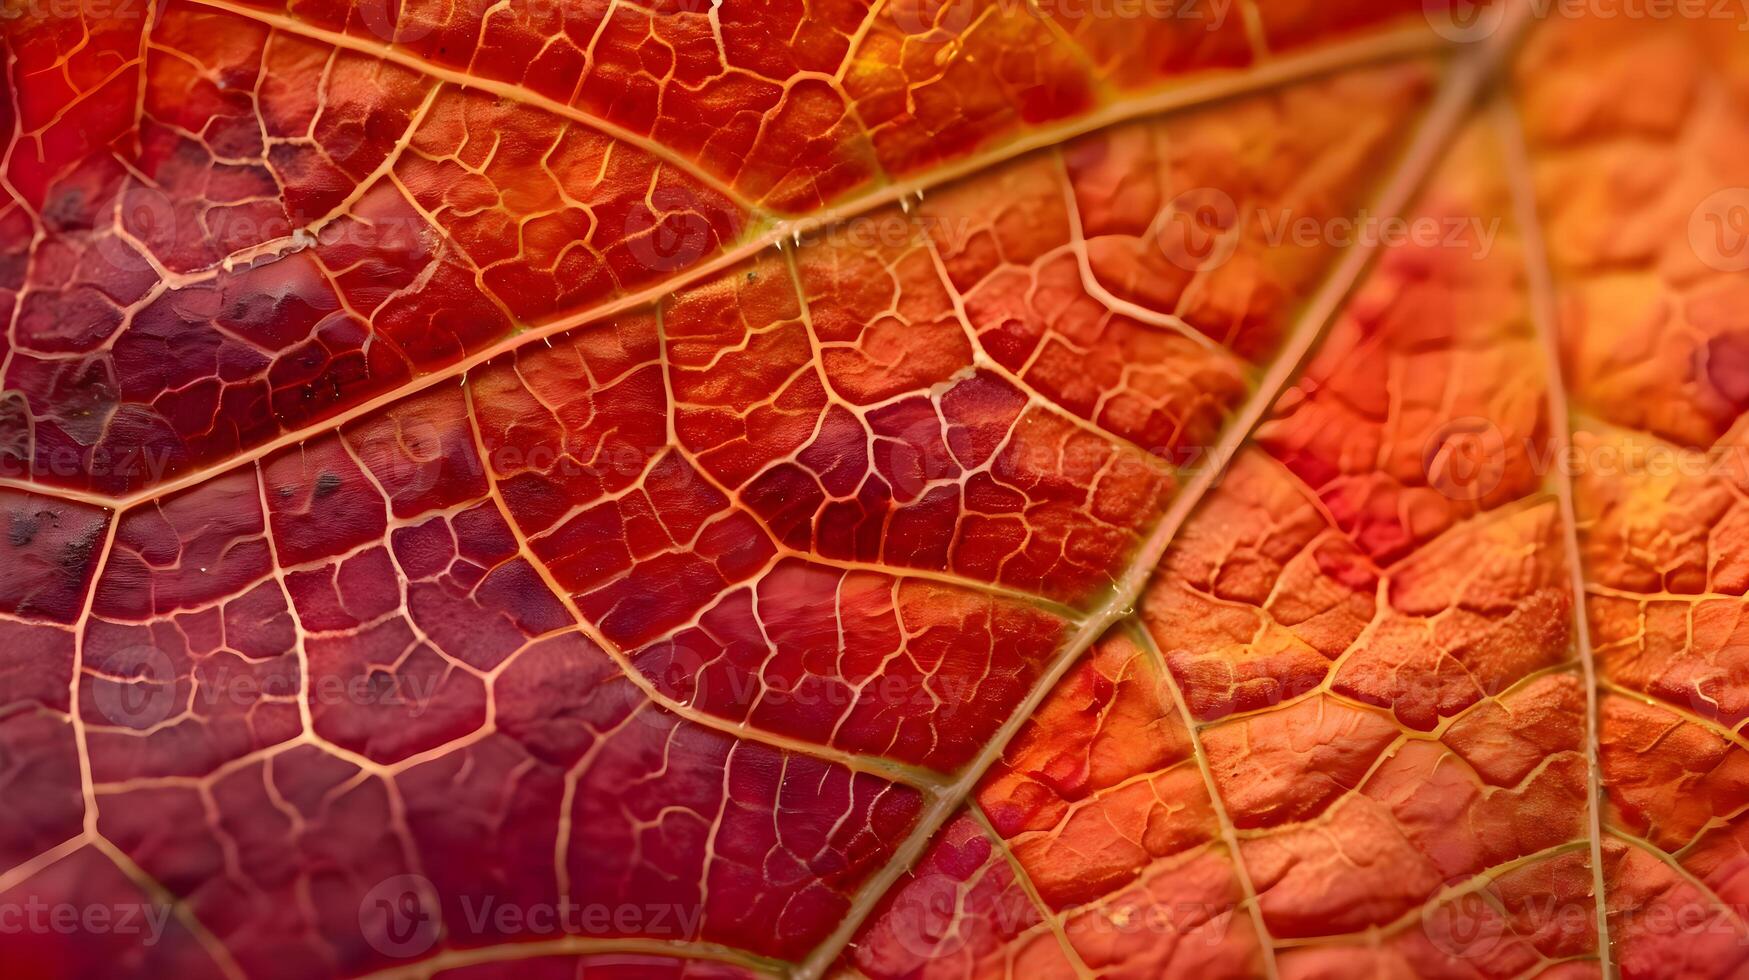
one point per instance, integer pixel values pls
(215, 948)
(80, 626)
(1024, 880)
(1544, 318)
(1276, 73)
(1476, 883)
(1229, 834)
(912, 776)
(579, 946)
(1463, 81)
(504, 90)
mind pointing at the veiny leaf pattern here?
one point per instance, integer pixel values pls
(923, 488)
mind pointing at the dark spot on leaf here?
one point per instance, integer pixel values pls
(65, 210)
(76, 556)
(21, 529)
(1727, 366)
(326, 484)
(381, 686)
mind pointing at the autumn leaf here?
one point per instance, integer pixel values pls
(874, 488)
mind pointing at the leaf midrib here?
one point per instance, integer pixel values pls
(1464, 80)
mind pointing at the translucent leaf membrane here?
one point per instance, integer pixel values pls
(1346, 732)
(1648, 280)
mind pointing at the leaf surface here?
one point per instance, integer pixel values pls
(922, 490)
